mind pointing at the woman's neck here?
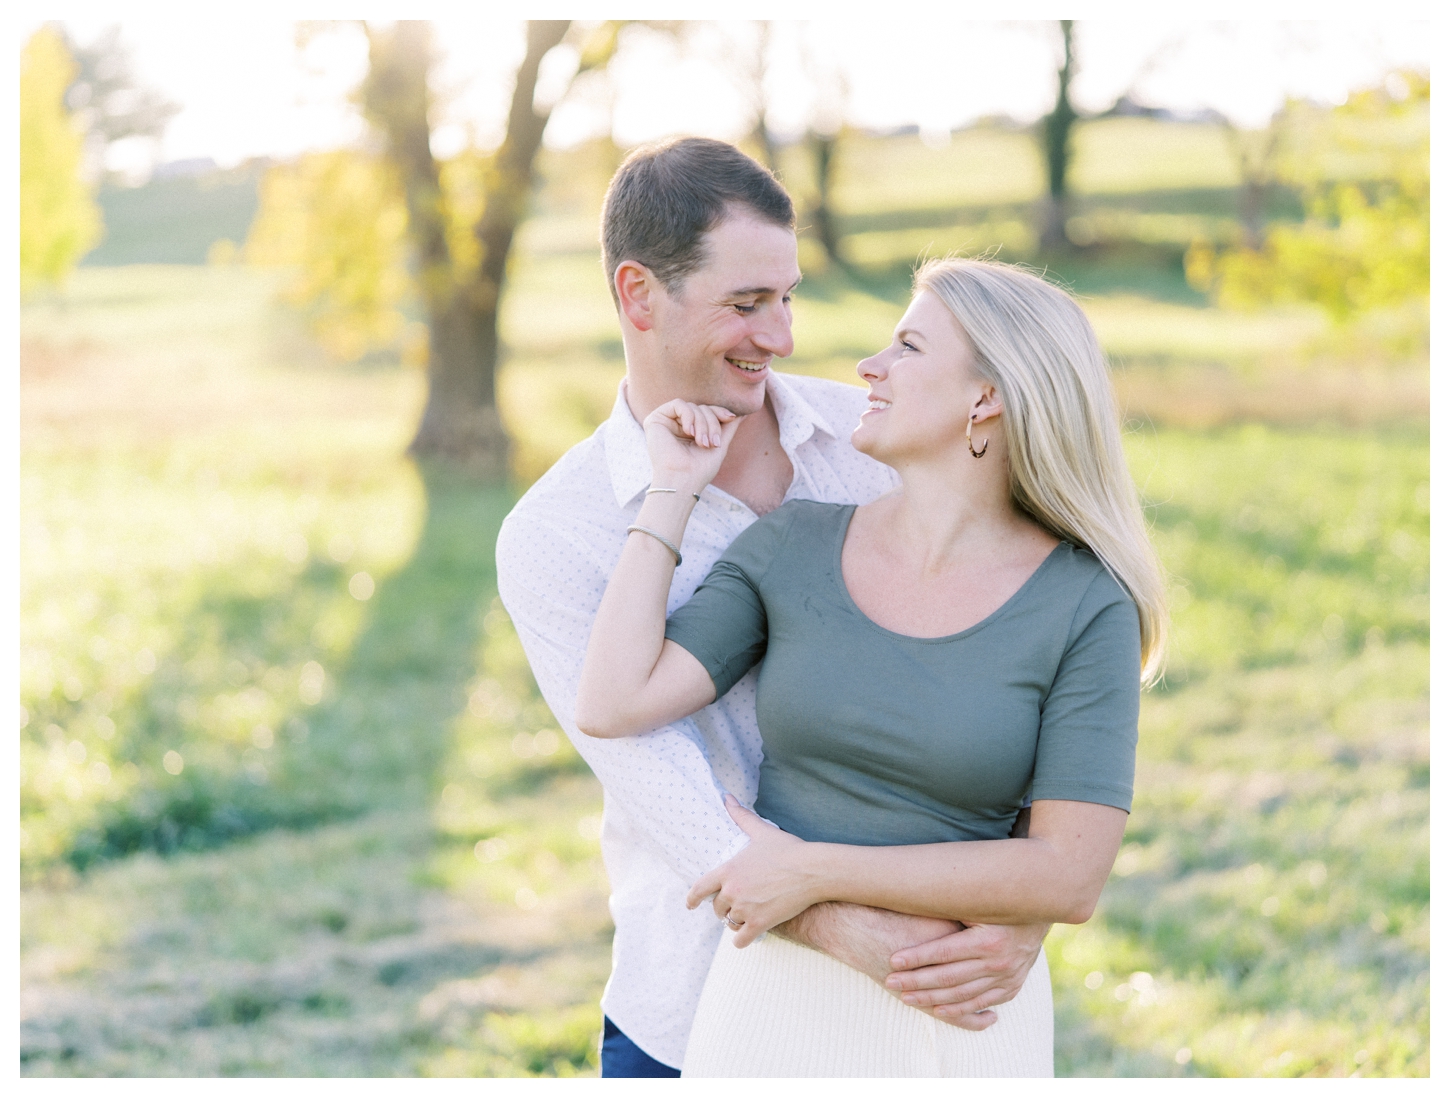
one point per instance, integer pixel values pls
(945, 513)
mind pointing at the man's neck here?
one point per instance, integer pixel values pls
(757, 471)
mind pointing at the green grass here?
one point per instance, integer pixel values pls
(379, 857)
(198, 503)
(175, 220)
(434, 901)
(1274, 882)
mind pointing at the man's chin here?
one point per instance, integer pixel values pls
(743, 404)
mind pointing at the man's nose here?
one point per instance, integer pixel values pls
(774, 333)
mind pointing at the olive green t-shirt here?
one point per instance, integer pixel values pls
(875, 738)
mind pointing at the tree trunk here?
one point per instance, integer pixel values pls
(758, 63)
(1256, 153)
(823, 217)
(460, 421)
(768, 150)
(1056, 136)
(1253, 198)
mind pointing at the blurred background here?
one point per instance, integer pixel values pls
(306, 306)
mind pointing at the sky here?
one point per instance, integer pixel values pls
(247, 89)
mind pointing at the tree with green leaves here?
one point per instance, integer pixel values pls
(59, 218)
(337, 220)
(1365, 242)
(458, 218)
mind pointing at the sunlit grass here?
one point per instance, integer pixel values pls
(1124, 155)
(1288, 547)
(1274, 883)
(1268, 913)
(241, 609)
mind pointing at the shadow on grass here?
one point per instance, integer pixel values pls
(379, 736)
(1213, 202)
(889, 282)
(1148, 270)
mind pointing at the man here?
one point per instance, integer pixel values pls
(699, 245)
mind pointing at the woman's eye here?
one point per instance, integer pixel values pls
(908, 346)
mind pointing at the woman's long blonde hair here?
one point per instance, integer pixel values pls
(1060, 423)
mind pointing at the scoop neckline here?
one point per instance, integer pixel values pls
(839, 575)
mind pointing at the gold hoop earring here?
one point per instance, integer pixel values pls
(985, 442)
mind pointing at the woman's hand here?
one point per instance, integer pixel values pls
(762, 886)
(687, 442)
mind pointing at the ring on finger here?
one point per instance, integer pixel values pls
(731, 923)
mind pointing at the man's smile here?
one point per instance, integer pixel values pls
(748, 367)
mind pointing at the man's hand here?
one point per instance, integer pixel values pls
(869, 940)
(955, 976)
(863, 937)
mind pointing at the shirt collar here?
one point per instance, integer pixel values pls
(798, 419)
(627, 458)
(625, 454)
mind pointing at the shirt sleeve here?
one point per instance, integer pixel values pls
(550, 581)
(724, 625)
(1089, 728)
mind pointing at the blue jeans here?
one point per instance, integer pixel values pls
(621, 1058)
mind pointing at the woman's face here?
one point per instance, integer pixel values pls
(923, 387)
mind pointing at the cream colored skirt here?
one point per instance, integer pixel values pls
(779, 1010)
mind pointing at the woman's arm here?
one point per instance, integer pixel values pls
(1085, 741)
(633, 679)
(1054, 875)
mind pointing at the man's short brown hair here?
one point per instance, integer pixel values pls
(665, 197)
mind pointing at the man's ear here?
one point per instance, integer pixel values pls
(636, 287)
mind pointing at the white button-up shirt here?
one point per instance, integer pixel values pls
(665, 822)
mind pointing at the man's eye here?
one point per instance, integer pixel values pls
(746, 309)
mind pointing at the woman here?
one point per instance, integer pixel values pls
(935, 658)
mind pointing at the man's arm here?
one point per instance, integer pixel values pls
(951, 973)
(662, 779)
(940, 967)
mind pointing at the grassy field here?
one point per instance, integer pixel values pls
(291, 803)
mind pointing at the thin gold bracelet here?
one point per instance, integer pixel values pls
(666, 542)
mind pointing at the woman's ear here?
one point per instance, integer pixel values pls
(988, 404)
(635, 285)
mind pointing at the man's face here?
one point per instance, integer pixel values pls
(718, 333)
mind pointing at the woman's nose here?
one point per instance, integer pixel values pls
(871, 369)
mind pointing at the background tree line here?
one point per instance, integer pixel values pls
(369, 233)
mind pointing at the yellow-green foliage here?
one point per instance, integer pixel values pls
(59, 218)
(462, 181)
(338, 218)
(1365, 242)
